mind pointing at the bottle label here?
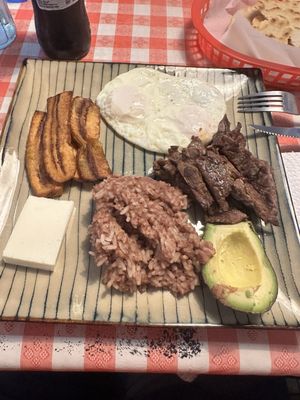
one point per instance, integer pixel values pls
(54, 5)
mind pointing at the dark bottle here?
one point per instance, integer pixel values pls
(62, 28)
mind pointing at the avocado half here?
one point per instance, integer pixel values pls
(240, 274)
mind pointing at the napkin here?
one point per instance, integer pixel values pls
(9, 171)
(291, 163)
(225, 21)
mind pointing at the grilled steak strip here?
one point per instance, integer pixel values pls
(223, 171)
(255, 172)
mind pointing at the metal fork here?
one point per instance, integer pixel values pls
(268, 101)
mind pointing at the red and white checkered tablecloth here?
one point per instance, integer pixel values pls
(136, 31)
(72, 347)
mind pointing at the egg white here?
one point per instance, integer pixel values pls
(155, 110)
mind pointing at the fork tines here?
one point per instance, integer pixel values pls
(270, 93)
(263, 101)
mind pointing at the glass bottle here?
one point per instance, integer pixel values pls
(62, 28)
(7, 26)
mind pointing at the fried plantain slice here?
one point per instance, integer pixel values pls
(92, 125)
(59, 154)
(84, 170)
(76, 176)
(41, 184)
(84, 120)
(96, 158)
(91, 162)
(78, 114)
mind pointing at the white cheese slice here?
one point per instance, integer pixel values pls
(38, 233)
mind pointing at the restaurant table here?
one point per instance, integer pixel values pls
(148, 32)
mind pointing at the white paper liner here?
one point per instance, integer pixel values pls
(225, 22)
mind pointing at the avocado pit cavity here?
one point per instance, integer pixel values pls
(238, 264)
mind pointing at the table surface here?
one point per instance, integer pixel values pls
(148, 32)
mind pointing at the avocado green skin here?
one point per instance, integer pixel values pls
(254, 300)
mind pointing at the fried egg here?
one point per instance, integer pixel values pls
(155, 111)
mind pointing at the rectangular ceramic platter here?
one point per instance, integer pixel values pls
(74, 292)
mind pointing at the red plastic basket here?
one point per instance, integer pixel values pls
(275, 75)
